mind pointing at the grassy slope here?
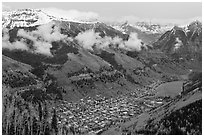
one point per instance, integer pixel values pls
(10, 63)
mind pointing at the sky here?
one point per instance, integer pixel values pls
(169, 11)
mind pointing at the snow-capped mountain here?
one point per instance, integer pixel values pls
(31, 17)
(24, 18)
(147, 34)
(152, 28)
(182, 42)
(149, 28)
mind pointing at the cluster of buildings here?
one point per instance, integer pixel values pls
(95, 115)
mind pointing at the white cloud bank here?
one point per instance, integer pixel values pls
(42, 39)
(44, 35)
(76, 15)
(89, 38)
(71, 14)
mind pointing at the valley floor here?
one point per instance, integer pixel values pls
(102, 115)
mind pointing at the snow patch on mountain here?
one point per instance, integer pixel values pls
(72, 15)
(34, 17)
(178, 44)
(25, 18)
(119, 28)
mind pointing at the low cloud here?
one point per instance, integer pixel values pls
(42, 39)
(48, 32)
(133, 42)
(5, 34)
(72, 14)
(89, 38)
(15, 45)
(11, 46)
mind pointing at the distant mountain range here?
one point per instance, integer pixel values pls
(28, 27)
(147, 27)
(146, 31)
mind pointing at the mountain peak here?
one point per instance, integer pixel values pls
(125, 23)
(196, 23)
(175, 28)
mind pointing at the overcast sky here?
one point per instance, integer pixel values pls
(147, 10)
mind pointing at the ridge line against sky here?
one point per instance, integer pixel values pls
(158, 12)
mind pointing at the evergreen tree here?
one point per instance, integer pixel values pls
(54, 122)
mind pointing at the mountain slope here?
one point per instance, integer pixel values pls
(82, 72)
(179, 116)
(180, 42)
